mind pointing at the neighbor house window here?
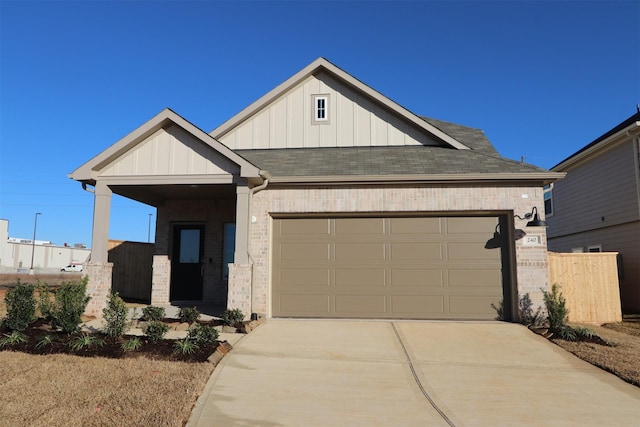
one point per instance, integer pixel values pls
(594, 248)
(548, 199)
(320, 108)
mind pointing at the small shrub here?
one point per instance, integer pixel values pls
(21, 307)
(155, 330)
(584, 332)
(70, 302)
(45, 304)
(203, 334)
(568, 334)
(15, 337)
(185, 346)
(188, 314)
(115, 316)
(233, 317)
(526, 314)
(556, 308)
(44, 341)
(499, 310)
(153, 313)
(132, 344)
(85, 341)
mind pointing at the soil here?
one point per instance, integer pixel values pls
(112, 348)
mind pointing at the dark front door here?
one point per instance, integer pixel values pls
(187, 262)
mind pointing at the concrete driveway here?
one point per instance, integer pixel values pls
(408, 373)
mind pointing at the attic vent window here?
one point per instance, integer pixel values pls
(321, 108)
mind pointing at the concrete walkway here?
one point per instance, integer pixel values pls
(408, 373)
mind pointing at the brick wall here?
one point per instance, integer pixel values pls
(531, 265)
(98, 287)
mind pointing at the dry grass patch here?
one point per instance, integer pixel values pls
(78, 391)
(622, 358)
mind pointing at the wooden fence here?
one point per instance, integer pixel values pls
(589, 283)
(132, 269)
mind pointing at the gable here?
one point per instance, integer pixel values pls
(358, 116)
(170, 151)
(353, 121)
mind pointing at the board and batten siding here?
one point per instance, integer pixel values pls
(170, 151)
(353, 121)
(599, 193)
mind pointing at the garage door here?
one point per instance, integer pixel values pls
(397, 267)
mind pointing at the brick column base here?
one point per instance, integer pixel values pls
(98, 287)
(239, 293)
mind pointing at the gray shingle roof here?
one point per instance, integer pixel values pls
(395, 160)
(471, 137)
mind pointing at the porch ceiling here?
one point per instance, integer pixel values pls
(158, 195)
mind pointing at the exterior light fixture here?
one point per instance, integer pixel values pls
(536, 221)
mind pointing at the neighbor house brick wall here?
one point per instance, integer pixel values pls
(531, 262)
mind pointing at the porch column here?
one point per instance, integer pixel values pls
(101, 212)
(242, 225)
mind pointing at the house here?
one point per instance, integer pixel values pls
(324, 198)
(596, 207)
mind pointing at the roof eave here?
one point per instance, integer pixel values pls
(544, 177)
(603, 145)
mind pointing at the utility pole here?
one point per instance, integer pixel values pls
(33, 242)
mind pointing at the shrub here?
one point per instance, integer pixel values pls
(44, 341)
(185, 346)
(115, 316)
(203, 334)
(233, 317)
(556, 308)
(70, 302)
(526, 314)
(21, 307)
(155, 330)
(131, 344)
(188, 314)
(152, 312)
(84, 341)
(15, 337)
(45, 304)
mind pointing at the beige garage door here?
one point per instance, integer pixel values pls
(398, 267)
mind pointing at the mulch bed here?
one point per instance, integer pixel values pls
(112, 348)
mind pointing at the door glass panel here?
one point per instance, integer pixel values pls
(189, 246)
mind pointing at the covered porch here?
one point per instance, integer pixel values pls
(201, 190)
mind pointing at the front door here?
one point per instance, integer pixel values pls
(187, 263)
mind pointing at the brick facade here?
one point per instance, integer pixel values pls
(531, 266)
(98, 287)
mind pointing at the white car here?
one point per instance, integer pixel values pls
(72, 267)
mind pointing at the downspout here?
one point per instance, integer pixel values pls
(252, 191)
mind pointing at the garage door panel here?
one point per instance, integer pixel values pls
(293, 304)
(304, 251)
(416, 251)
(368, 226)
(417, 304)
(468, 305)
(359, 251)
(474, 277)
(467, 225)
(410, 267)
(417, 277)
(318, 226)
(416, 225)
(304, 277)
(348, 305)
(471, 251)
(360, 277)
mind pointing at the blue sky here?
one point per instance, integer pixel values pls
(541, 78)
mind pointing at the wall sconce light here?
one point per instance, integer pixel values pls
(536, 221)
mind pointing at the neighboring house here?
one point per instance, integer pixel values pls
(324, 198)
(596, 207)
(20, 254)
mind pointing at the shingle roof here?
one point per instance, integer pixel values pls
(371, 161)
(471, 137)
